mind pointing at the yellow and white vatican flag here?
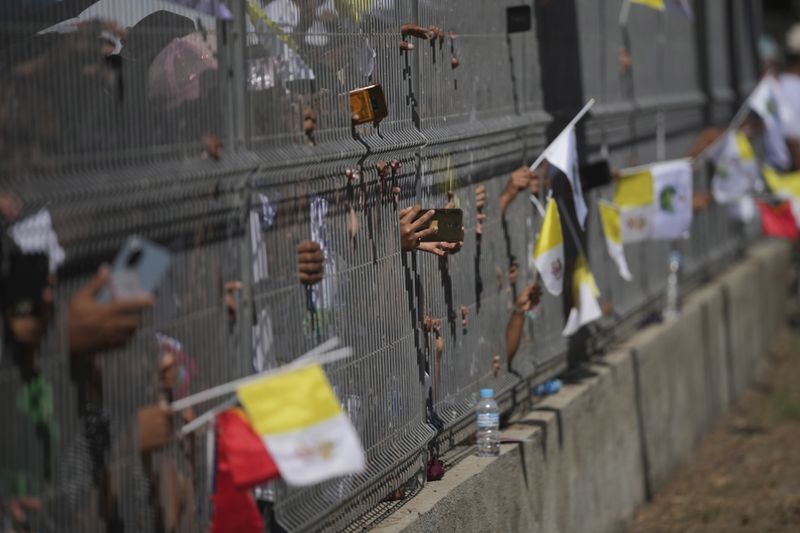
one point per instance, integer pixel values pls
(303, 426)
(585, 307)
(610, 219)
(656, 201)
(634, 198)
(735, 168)
(548, 254)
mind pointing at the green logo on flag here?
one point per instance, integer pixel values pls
(772, 107)
(666, 199)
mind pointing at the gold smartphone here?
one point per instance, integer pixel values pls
(449, 224)
(368, 105)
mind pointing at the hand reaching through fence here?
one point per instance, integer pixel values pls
(519, 181)
(539, 178)
(480, 204)
(410, 233)
(701, 200)
(704, 139)
(10, 207)
(528, 298)
(440, 248)
(15, 512)
(419, 32)
(94, 326)
(480, 197)
(232, 288)
(310, 262)
(513, 273)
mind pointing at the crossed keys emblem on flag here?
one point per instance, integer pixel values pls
(557, 269)
(323, 449)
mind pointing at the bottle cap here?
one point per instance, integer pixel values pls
(487, 393)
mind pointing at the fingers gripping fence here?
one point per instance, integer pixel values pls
(130, 144)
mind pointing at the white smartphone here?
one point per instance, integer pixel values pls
(137, 270)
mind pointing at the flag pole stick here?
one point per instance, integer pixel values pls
(641, 168)
(538, 205)
(735, 122)
(624, 12)
(571, 124)
(208, 416)
(231, 386)
(201, 420)
(326, 346)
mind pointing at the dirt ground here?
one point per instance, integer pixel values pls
(745, 475)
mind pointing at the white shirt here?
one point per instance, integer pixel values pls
(790, 87)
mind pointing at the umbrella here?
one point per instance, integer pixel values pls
(128, 13)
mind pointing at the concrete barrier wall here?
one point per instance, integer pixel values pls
(596, 450)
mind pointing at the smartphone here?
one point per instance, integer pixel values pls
(518, 18)
(137, 270)
(449, 224)
(26, 279)
(368, 104)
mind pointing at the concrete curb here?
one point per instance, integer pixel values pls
(597, 450)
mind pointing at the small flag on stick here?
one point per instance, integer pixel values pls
(735, 168)
(303, 426)
(655, 201)
(562, 153)
(548, 254)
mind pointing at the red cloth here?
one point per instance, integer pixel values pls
(778, 221)
(235, 510)
(242, 462)
(248, 459)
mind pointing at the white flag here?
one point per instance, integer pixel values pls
(585, 307)
(735, 168)
(768, 102)
(35, 234)
(563, 154)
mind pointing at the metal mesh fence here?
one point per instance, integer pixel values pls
(112, 116)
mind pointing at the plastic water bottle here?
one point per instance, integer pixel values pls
(488, 435)
(672, 308)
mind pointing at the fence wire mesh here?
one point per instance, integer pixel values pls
(150, 118)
